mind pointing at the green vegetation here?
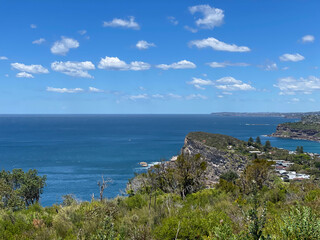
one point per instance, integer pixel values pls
(255, 205)
(172, 201)
(219, 141)
(19, 189)
(296, 126)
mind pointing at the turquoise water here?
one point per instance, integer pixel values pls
(75, 151)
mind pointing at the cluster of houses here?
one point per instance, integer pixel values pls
(281, 167)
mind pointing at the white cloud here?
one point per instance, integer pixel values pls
(190, 29)
(36, 69)
(307, 38)
(64, 90)
(212, 17)
(117, 22)
(271, 67)
(74, 69)
(24, 75)
(114, 63)
(232, 84)
(33, 26)
(82, 32)
(63, 46)
(39, 41)
(227, 64)
(95, 90)
(158, 96)
(218, 45)
(291, 57)
(142, 45)
(175, 96)
(295, 100)
(138, 97)
(291, 86)
(3, 58)
(199, 83)
(173, 20)
(178, 65)
(196, 96)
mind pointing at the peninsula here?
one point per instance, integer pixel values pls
(293, 115)
(306, 129)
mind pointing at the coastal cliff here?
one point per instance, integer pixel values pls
(307, 129)
(221, 152)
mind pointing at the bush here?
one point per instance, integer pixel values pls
(300, 223)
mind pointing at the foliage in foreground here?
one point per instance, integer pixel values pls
(270, 209)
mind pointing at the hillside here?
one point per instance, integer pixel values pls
(222, 153)
(307, 129)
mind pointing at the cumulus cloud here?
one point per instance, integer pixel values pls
(39, 41)
(307, 39)
(292, 86)
(74, 69)
(178, 65)
(232, 84)
(212, 17)
(64, 90)
(95, 90)
(63, 46)
(3, 58)
(227, 64)
(142, 45)
(200, 83)
(33, 26)
(291, 57)
(114, 63)
(36, 69)
(173, 20)
(218, 45)
(24, 75)
(124, 23)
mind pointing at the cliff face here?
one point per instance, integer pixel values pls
(219, 151)
(287, 130)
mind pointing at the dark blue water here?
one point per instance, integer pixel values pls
(75, 151)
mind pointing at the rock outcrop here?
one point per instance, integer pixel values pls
(298, 130)
(221, 152)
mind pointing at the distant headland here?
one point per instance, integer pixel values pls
(293, 115)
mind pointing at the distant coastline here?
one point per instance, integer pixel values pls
(292, 115)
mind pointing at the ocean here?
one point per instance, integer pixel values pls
(74, 151)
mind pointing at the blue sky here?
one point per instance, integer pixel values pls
(127, 56)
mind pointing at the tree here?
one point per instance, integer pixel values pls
(184, 176)
(103, 185)
(267, 145)
(258, 140)
(230, 176)
(299, 150)
(19, 186)
(189, 172)
(250, 141)
(256, 175)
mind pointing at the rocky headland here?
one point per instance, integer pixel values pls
(306, 129)
(222, 153)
